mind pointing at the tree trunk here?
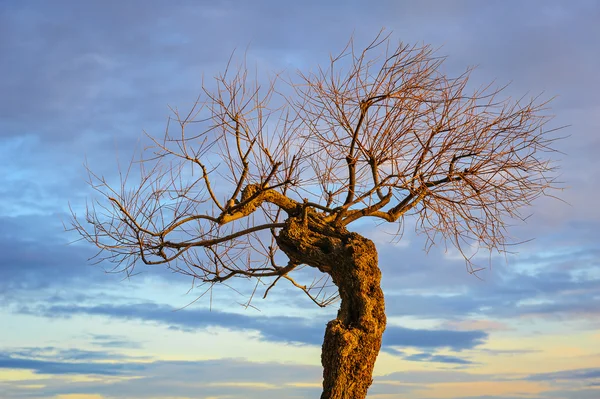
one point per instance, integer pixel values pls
(353, 339)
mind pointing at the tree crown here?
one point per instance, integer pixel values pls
(379, 133)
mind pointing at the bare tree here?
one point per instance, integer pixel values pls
(242, 188)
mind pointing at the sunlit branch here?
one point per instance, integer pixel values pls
(372, 135)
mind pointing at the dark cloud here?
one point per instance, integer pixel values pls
(421, 338)
(38, 260)
(429, 357)
(276, 329)
(572, 394)
(510, 352)
(53, 360)
(56, 367)
(494, 397)
(430, 377)
(576, 374)
(56, 354)
(113, 341)
(165, 378)
(292, 330)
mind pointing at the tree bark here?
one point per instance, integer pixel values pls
(353, 339)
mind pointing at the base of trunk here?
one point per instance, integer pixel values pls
(348, 359)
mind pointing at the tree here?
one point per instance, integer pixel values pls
(254, 183)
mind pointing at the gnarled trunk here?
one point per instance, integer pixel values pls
(353, 339)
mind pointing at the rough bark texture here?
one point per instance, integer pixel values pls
(353, 339)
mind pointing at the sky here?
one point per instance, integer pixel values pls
(81, 80)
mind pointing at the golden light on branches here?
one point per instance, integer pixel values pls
(380, 133)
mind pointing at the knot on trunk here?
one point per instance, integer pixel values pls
(305, 239)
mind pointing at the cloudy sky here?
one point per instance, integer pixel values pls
(81, 80)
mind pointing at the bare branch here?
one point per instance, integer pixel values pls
(379, 133)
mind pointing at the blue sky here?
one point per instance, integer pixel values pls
(80, 81)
